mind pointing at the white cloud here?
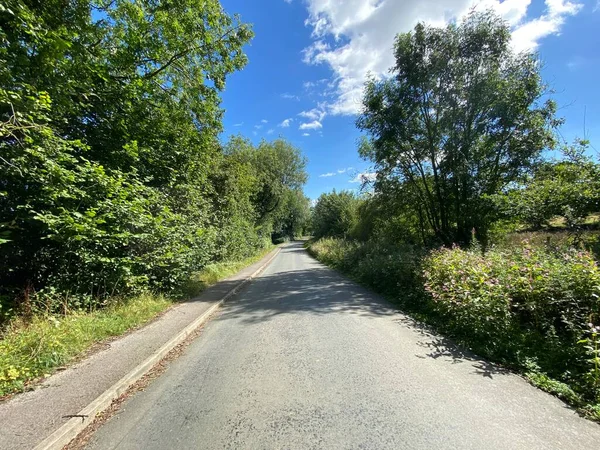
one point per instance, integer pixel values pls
(264, 121)
(288, 1)
(355, 37)
(290, 96)
(364, 177)
(286, 123)
(305, 134)
(258, 127)
(344, 170)
(271, 131)
(314, 125)
(315, 116)
(238, 124)
(327, 175)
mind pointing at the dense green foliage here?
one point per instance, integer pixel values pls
(533, 309)
(335, 214)
(522, 304)
(33, 349)
(569, 188)
(113, 178)
(459, 120)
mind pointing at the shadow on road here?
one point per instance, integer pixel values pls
(316, 289)
(443, 348)
(309, 288)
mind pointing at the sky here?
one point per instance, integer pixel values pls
(309, 59)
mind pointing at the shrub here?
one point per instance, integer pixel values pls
(384, 266)
(524, 302)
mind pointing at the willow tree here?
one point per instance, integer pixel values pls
(460, 118)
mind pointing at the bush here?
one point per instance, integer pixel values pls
(533, 307)
(384, 266)
(528, 302)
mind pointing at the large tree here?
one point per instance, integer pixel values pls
(459, 119)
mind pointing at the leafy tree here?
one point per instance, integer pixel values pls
(335, 214)
(294, 219)
(279, 172)
(459, 120)
(569, 188)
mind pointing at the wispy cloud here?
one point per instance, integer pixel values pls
(288, 96)
(238, 124)
(327, 175)
(344, 170)
(314, 125)
(306, 134)
(576, 63)
(264, 121)
(271, 131)
(314, 116)
(286, 123)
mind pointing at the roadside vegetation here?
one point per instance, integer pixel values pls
(469, 225)
(33, 348)
(116, 194)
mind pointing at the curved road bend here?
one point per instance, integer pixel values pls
(306, 359)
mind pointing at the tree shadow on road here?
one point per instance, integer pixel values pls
(317, 289)
(445, 349)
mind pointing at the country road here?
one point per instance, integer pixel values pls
(305, 359)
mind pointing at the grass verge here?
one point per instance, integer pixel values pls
(33, 350)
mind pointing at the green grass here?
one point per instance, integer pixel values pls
(215, 272)
(32, 350)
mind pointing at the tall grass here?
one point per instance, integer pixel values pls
(32, 350)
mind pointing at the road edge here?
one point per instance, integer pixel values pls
(68, 431)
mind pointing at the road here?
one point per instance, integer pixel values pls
(306, 359)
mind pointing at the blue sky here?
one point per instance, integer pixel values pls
(308, 61)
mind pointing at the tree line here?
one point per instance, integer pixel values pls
(113, 176)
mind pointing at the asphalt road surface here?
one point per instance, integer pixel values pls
(305, 359)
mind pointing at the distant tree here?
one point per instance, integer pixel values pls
(294, 217)
(569, 188)
(335, 214)
(279, 173)
(458, 121)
